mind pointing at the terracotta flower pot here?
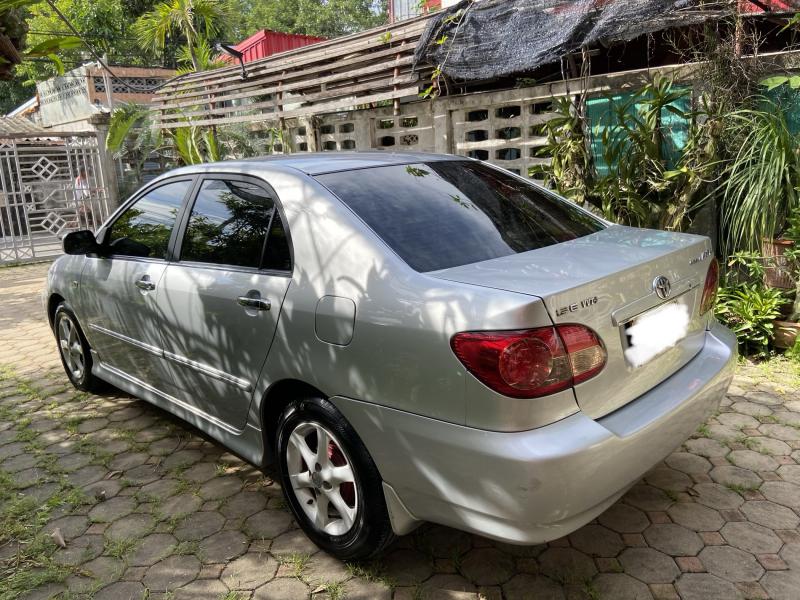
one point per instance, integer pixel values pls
(784, 333)
(779, 275)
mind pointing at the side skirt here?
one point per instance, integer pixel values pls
(248, 443)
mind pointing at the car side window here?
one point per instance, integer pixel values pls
(229, 224)
(145, 227)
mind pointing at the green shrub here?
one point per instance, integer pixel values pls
(749, 310)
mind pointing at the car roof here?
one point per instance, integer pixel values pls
(318, 163)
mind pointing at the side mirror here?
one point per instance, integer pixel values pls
(80, 242)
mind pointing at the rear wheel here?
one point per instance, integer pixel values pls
(330, 482)
(74, 350)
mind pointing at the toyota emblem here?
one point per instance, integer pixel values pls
(662, 287)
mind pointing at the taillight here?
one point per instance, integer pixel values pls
(710, 287)
(532, 362)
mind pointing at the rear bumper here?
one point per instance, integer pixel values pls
(532, 486)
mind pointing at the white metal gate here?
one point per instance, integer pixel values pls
(49, 186)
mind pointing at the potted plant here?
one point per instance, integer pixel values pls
(787, 267)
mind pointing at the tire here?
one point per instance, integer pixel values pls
(74, 350)
(357, 527)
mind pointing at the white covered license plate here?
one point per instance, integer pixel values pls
(656, 331)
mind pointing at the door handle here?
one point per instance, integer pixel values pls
(145, 284)
(256, 303)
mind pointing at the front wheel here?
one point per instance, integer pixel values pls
(330, 481)
(74, 350)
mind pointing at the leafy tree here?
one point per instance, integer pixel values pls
(326, 18)
(195, 21)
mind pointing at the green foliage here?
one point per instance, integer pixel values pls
(747, 306)
(758, 185)
(642, 187)
(326, 18)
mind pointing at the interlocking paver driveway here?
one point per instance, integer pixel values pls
(147, 507)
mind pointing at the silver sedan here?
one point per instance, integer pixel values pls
(410, 337)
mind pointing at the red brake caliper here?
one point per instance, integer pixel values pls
(347, 489)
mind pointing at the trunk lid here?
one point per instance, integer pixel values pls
(606, 281)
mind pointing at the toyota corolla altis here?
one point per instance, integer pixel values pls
(409, 337)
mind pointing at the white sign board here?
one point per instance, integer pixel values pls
(64, 99)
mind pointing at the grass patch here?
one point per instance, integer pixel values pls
(335, 590)
(703, 431)
(119, 548)
(373, 571)
(296, 560)
(186, 548)
(741, 489)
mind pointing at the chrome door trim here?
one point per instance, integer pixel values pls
(133, 342)
(188, 407)
(626, 313)
(192, 364)
(210, 371)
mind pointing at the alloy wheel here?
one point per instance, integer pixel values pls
(322, 478)
(69, 343)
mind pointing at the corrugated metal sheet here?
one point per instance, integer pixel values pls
(266, 43)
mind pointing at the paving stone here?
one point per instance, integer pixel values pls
(669, 479)
(673, 539)
(738, 421)
(112, 509)
(223, 546)
(171, 573)
(567, 564)
(72, 462)
(160, 489)
(292, 541)
(723, 433)
(199, 525)
(406, 567)
(731, 564)
(163, 447)
(788, 418)
(648, 498)
(283, 588)
(620, 586)
(790, 473)
(696, 517)
(249, 571)
(268, 523)
(781, 492)
(134, 526)
(597, 541)
(181, 459)
(200, 472)
(124, 590)
(206, 589)
(142, 475)
(751, 408)
(179, 506)
(105, 488)
(717, 496)
(649, 565)
(755, 461)
(151, 549)
(623, 518)
(87, 475)
(487, 566)
(243, 504)
(781, 585)
(735, 476)
(770, 446)
(705, 586)
(751, 538)
(770, 515)
(780, 432)
(80, 550)
(527, 587)
(104, 569)
(127, 460)
(688, 463)
(71, 526)
(359, 589)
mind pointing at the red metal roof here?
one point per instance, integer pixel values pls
(265, 43)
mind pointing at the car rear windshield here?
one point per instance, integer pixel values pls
(445, 214)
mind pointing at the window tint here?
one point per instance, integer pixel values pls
(144, 228)
(228, 224)
(277, 255)
(445, 214)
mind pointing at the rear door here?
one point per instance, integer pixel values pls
(220, 300)
(118, 289)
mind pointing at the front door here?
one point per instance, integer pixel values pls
(118, 290)
(219, 303)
